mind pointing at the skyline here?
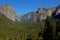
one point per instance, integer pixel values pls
(25, 6)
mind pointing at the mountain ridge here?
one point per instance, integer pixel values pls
(37, 16)
(41, 14)
(8, 11)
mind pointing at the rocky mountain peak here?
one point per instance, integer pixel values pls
(42, 14)
(8, 11)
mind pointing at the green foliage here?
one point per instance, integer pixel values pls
(45, 30)
(10, 30)
(52, 29)
(48, 31)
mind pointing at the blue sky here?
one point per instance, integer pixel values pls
(25, 6)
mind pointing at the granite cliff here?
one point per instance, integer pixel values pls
(41, 14)
(8, 12)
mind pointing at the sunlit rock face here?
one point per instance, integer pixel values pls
(50, 11)
(42, 14)
(58, 11)
(8, 11)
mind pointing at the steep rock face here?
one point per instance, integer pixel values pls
(50, 11)
(56, 13)
(42, 14)
(8, 11)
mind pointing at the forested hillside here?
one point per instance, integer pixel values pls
(45, 30)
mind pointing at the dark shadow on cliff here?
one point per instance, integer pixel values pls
(54, 14)
(57, 16)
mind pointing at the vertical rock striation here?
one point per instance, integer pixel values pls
(8, 12)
